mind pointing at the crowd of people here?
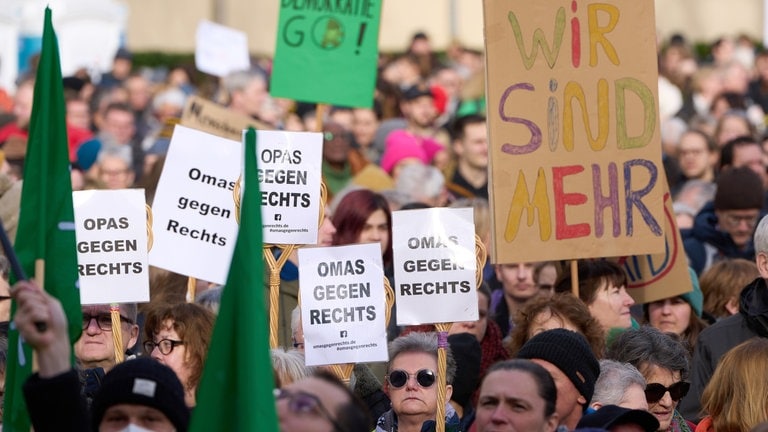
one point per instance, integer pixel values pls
(538, 358)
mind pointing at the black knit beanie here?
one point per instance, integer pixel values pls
(142, 381)
(739, 189)
(570, 352)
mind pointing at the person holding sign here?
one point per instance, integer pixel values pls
(412, 385)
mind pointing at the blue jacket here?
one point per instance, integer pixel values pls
(705, 243)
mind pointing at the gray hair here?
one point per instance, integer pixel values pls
(239, 80)
(419, 342)
(210, 299)
(295, 320)
(290, 366)
(420, 182)
(648, 346)
(170, 96)
(761, 236)
(614, 381)
(121, 152)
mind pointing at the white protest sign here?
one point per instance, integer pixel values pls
(434, 259)
(111, 231)
(343, 307)
(220, 50)
(289, 180)
(193, 211)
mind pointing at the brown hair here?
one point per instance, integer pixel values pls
(723, 281)
(564, 306)
(593, 274)
(193, 323)
(735, 395)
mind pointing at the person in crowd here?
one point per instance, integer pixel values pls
(113, 170)
(247, 91)
(116, 135)
(210, 299)
(691, 197)
(466, 352)
(365, 121)
(363, 216)
(735, 396)
(22, 111)
(614, 418)
(732, 124)
(5, 289)
(140, 95)
(562, 310)
(744, 151)
(289, 366)
(412, 386)
(603, 288)
(697, 155)
(124, 400)
(619, 384)
(423, 184)
(517, 289)
(468, 174)
(719, 338)
(680, 314)
(721, 285)
(178, 336)
(724, 227)
(122, 64)
(341, 162)
(566, 355)
(517, 395)
(320, 403)
(664, 362)
(545, 276)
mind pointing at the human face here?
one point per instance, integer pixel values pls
(78, 114)
(22, 104)
(545, 320)
(611, 307)
(546, 278)
(517, 280)
(569, 400)
(665, 407)
(670, 315)
(509, 401)
(330, 396)
(477, 328)
(96, 348)
(120, 125)
(364, 125)
(5, 303)
(376, 229)
(177, 359)
(732, 127)
(412, 399)
(115, 173)
(252, 98)
(696, 161)
(750, 156)
(739, 224)
(472, 150)
(326, 231)
(420, 111)
(336, 145)
(118, 417)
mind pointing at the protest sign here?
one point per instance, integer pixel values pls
(434, 259)
(575, 156)
(289, 179)
(327, 52)
(111, 230)
(343, 307)
(659, 276)
(220, 50)
(193, 211)
(210, 117)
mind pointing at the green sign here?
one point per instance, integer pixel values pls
(327, 51)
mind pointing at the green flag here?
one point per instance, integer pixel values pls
(235, 392)
(46, 232)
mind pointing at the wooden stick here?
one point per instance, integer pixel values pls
(117, 332)
(575, 277)
(319, 117)
(191, 289)
(442, 366)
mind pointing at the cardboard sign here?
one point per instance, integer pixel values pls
(194, 223)
(220, 50)
(111, 230)
(342, 304)
(434, 259)
(327, 52)
(210, 117)
(289, 181)
(659, 276)
(573, 123)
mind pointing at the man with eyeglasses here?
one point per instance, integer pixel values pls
(320, 403)
(717, 339)
(724, 227)
(411, 385)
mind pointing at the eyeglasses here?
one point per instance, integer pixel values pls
(4, 297)
(164, 345)
(655, 391)
(398, 378)
(104, 321)
(306, 403)
(734, 221)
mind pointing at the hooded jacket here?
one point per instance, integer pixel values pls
(705, 243)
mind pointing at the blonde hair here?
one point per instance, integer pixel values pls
(735, 396)
(289, 366)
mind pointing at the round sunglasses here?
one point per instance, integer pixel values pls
(655, 391)
(399, 378)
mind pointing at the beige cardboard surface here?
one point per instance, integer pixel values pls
(574, 132)
(207, 116)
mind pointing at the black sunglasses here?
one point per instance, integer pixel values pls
(398, 378)
(655, 391)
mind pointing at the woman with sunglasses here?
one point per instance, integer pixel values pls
(411, 385)
(664, 363)
(735, 396)
(177, 336)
